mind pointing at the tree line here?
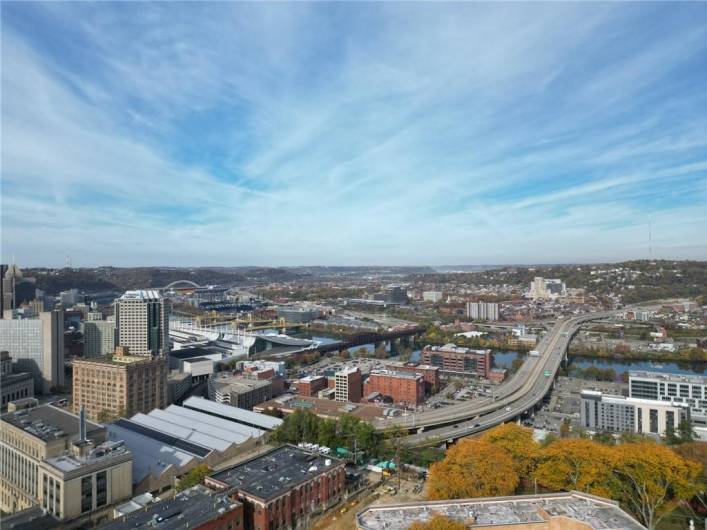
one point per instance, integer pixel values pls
(648, 478)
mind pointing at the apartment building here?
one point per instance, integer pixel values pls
(120, 384)
(482, 310)
(690, 390)
(600, 412)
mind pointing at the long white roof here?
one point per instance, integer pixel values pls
(150, 457)
(206, 419)
(157, 421)
(236, 414)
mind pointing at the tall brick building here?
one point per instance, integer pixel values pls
(407, 388)
(120, 384)
(283, 487)
(429, 373)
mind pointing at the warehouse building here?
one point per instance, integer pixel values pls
(168, 443)
(284, 487)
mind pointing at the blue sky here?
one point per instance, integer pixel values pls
(352, 133)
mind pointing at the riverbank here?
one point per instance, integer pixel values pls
(691, 355)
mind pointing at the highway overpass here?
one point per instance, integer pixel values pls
(520, 394)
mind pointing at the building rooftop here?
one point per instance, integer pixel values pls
(233, 414)
(105, 453)
(33, 518)
(238, 383)
(452, 348)
(327, 408)
(191, 352)
(116, 360)
(311, 378)
(10, 379)
(47, 423)
(347, 371)
(189, 509)
(670, 378)
(400, 375)
(275, 472)
(198, 360)
(148, 295)
(595, 512)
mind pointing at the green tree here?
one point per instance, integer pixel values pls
(687, 434)
(193, 477)
(605, 438)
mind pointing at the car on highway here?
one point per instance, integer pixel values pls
(508, 409)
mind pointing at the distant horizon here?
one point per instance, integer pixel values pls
(347, 132)
(484, 265)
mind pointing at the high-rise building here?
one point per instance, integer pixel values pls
(690, 390)
(3, 301)
(545, 289)
(69, 298)
(120, 385)
(98, 337)
(482, 310)
(142, 321)
(37, 345)
(348, 385)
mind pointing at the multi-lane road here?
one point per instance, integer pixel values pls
(521, 393)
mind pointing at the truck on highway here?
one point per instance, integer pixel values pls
(534, 353)
(547, 373)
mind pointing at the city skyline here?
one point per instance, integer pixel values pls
(363, 134)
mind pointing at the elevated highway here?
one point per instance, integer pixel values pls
(520, 394)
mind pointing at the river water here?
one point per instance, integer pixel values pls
(505, 358)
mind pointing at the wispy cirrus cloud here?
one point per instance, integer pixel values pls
(235, 133)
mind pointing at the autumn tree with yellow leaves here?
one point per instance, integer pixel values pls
(520, 445)
(576, 464)
(473, 468)
(651, 479)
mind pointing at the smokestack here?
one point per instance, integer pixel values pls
(82, 424)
